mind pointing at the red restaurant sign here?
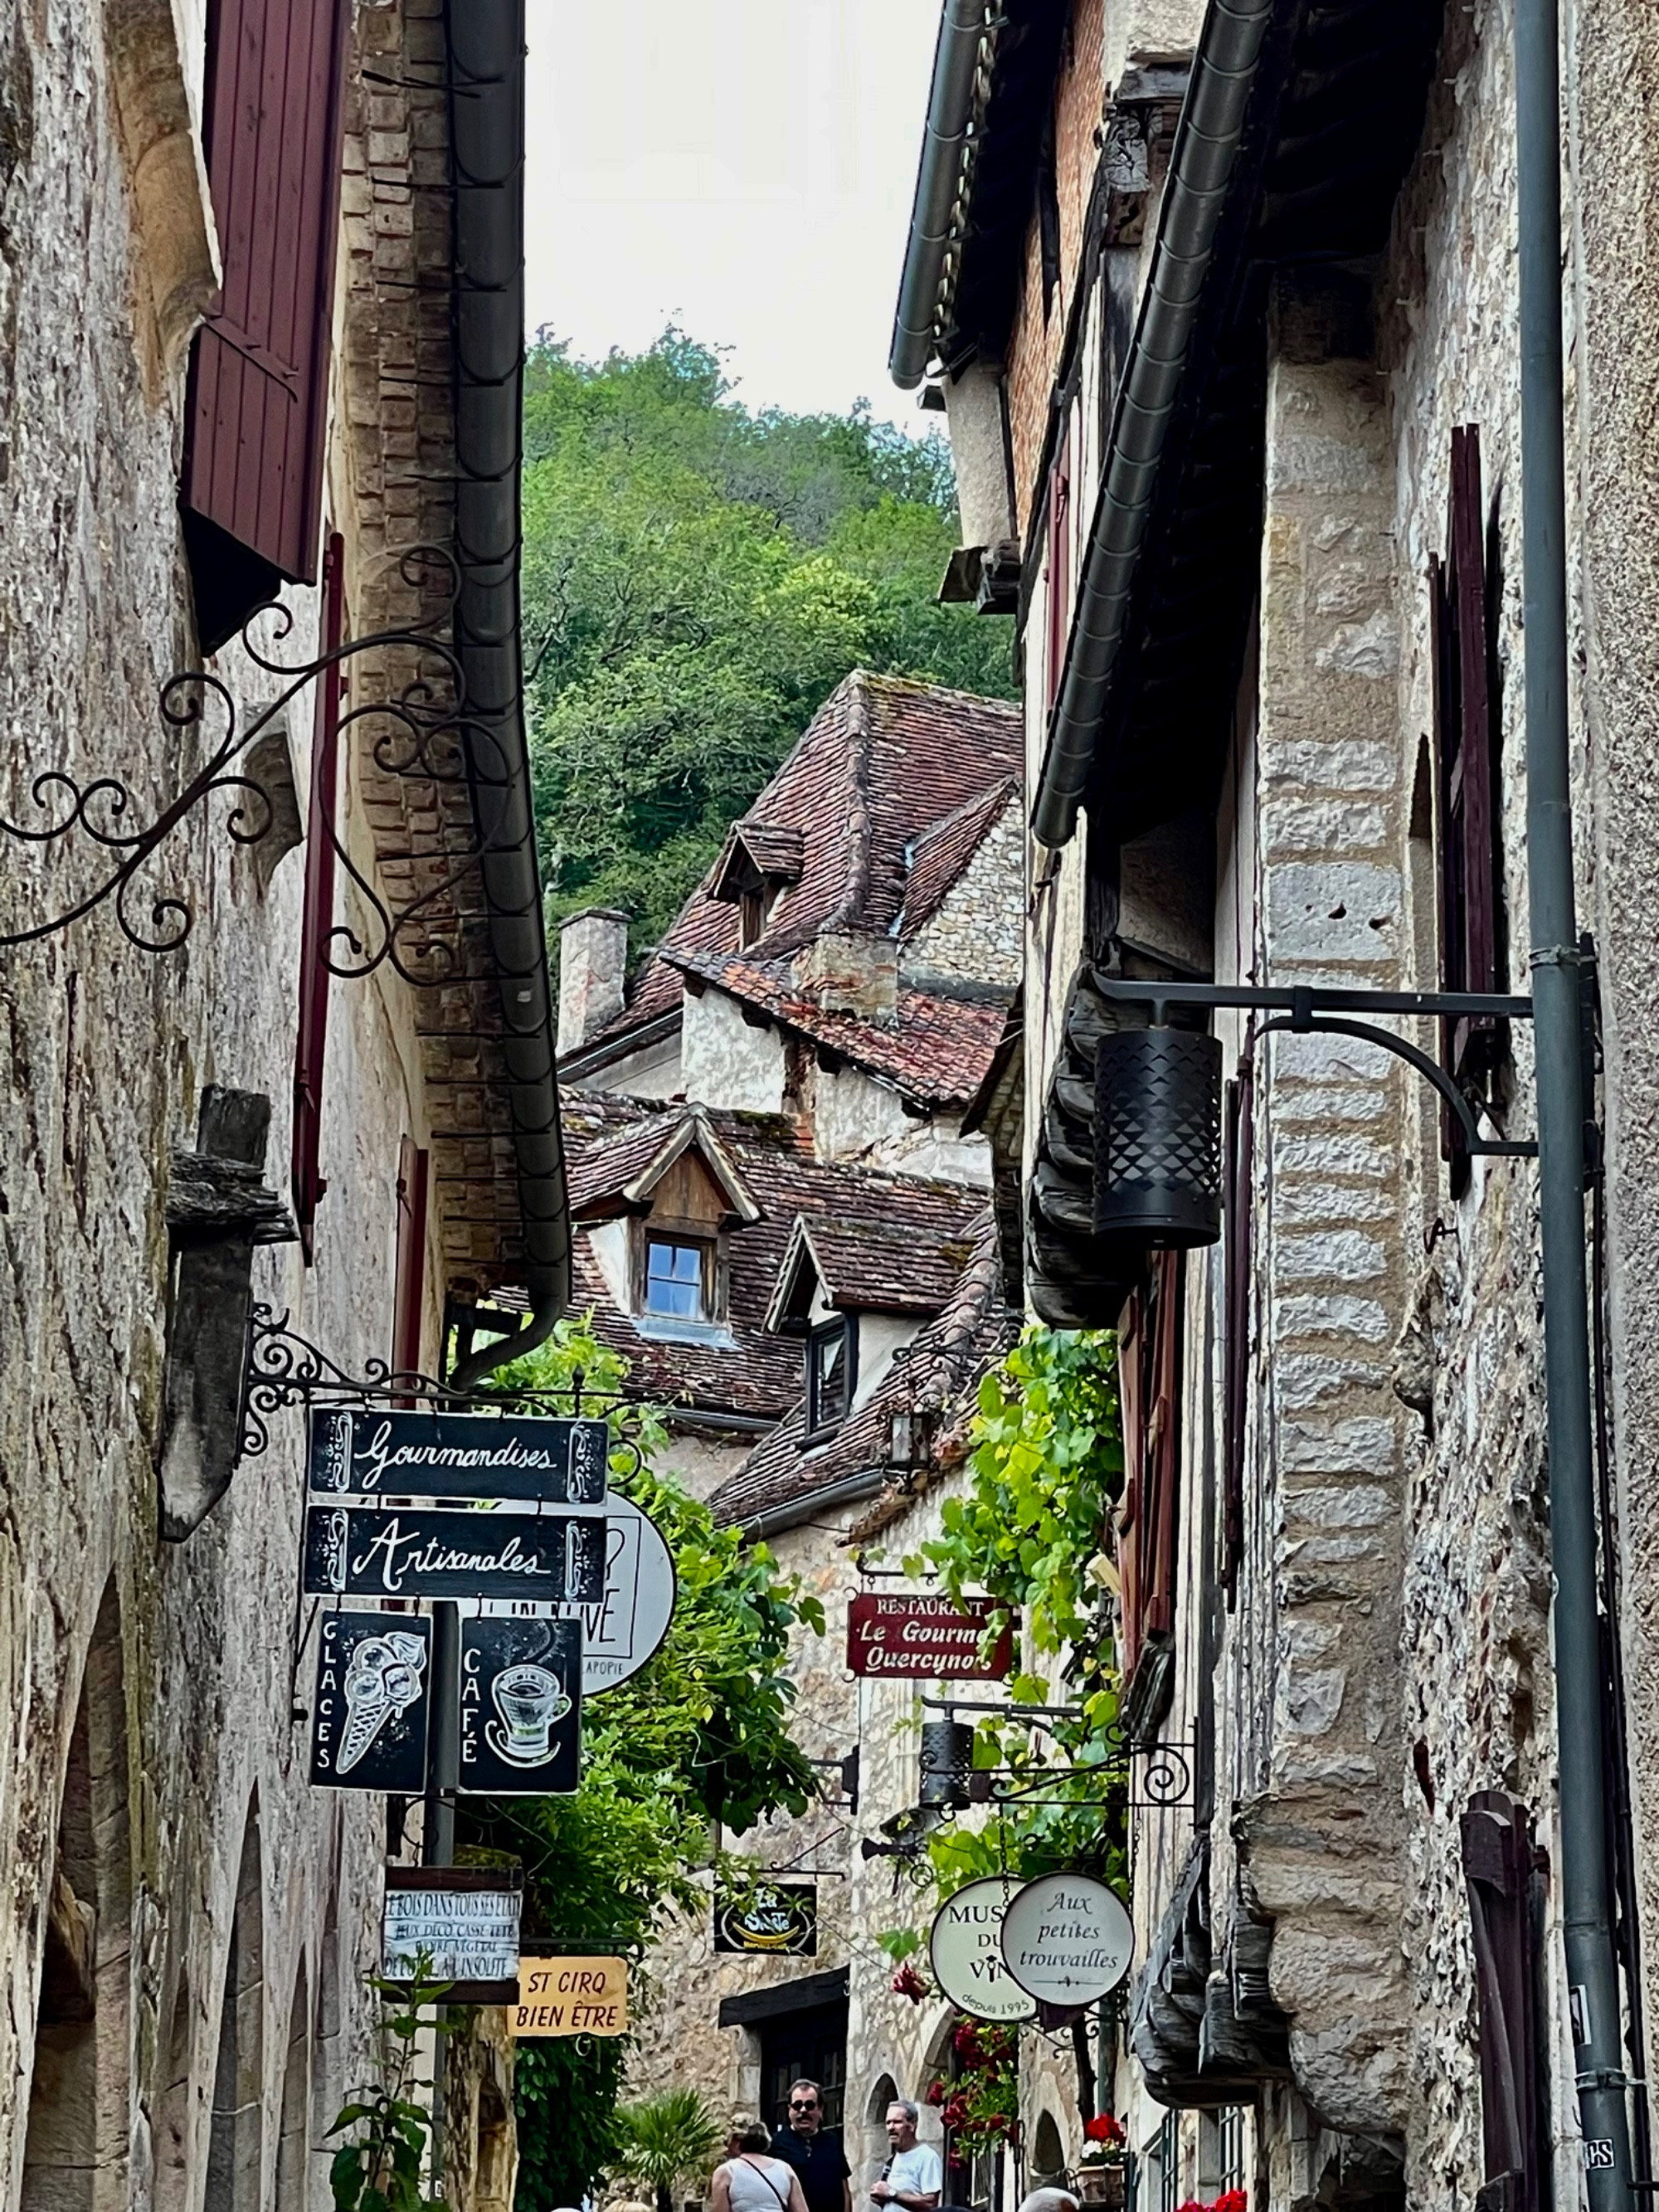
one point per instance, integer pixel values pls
(924, 1639)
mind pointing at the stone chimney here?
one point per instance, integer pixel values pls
(850, 972)
(592, 964)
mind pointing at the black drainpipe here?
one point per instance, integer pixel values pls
(486, 47)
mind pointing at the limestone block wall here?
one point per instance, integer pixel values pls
(975, 937)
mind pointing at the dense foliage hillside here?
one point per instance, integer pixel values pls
(697, 579)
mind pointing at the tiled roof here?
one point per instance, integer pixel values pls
(939, 856)
(775, 849)
(876, 1266)
(741, 1367)
(936, 1049)
(611, 1175)
(938, 1372)
(883, 761)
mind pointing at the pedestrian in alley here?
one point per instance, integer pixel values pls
(913, 2177)
(752, 2180)
(814, 2151)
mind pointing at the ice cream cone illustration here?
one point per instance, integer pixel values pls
(383, 1678)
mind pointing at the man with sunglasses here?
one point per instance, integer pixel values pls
(826, 2179)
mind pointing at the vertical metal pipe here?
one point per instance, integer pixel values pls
(1554, 960)
(437, 1827)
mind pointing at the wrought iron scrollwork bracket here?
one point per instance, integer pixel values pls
(428, 733)
(1301, 1009)
(1164, 1776)
(284, 1369)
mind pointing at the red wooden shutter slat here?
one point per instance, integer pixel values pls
(1474, 733)
(1163, 1451)
(1131, 1364)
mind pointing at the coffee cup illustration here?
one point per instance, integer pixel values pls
(531, 1701)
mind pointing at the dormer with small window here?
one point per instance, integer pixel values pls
(760, 862)
(660, 1209)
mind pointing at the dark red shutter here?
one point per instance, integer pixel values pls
(1236, 1365)
(410, 1281)
(1060, 557)
(318, 911)
(1149, 1354)
(1505, 1900)
(259, 387)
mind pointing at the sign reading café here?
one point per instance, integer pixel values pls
(920, 1638)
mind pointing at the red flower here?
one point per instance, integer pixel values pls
(936, 2093)
(1105, 2129)
(908, 1983)
(1231, 2200)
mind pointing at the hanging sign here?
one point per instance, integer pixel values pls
(520, 1707)
(779, 1918)
(372, 1454)
(625, 1625)
(965, 1948)
(920, 1638)
(368, 1717)
(1067, 1939)
(571, 1996)
(365, 1552)
(461, 1923)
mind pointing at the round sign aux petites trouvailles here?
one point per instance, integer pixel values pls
(1067, 1939)
(965, 1948)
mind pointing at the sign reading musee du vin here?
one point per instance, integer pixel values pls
(365, 1552)
(924, 1638)
(381, 1454)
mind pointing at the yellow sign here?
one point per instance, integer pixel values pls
(571, 1996)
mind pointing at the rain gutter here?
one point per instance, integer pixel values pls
(486, 45)
(1201, 169)
(964, 29)
(793, 1510)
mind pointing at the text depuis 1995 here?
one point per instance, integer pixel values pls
(965, 1948)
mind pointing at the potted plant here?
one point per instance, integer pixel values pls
(1100, 2174)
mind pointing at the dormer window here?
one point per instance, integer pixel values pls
(758, 864)
(831, 1353)
(678, 1278)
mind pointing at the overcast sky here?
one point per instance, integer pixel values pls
(742, 167)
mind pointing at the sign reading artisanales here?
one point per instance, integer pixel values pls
(520, 1732)
(375, 1454)
(459, 1924)
(777, 1917)
(368, 1717)
(915, 1638)
(965, 1948)
(571, 1996)
(366, 1552)
(624, 1626)
(1067, 1939)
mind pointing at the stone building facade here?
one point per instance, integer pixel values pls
(1318, 656)
(189, 1924)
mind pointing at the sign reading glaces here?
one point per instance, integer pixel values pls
(368, 1717)
(965, 1948)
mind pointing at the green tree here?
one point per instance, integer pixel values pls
(700, 1736)
(696, 579)
(664, 2140)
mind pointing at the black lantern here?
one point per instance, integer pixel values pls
(1158, 1137)
(947, 1760)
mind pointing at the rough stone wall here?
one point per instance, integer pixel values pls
(975, 937)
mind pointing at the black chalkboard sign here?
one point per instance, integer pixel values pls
(355, 1551)
(368, 1718)
(428, 1454)
(521, 1707)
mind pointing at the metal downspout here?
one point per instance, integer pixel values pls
(486, 40)
(963, 29)
(1587, 1920)
(1205, 152)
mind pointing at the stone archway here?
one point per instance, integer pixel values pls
(175, 2128)
(236, 2138)
(292, 2123)
(79, 2129)
(1048, 2151)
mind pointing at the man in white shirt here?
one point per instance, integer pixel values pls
(913, 2177)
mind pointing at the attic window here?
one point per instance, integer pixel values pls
(754, 907)
(676, 1278)
(830, 1352)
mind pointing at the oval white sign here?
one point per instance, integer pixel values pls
(1067, 1939)
(626, 1625)
(965, 1950)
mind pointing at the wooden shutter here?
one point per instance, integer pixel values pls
(257, 400)
(318, 917)
(1149, 1356)
(408, 1293)
(1465, 744)
(1499, 1868)
(1060, 557)
(1235, 1342)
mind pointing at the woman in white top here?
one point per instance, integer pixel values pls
(751, 2180)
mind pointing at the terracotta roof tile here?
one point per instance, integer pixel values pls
(939, 856)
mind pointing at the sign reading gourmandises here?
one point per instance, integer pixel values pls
(924, 1638)
(417, 1454)
(366, 1552)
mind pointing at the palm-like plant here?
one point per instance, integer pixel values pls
(662, 2139)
